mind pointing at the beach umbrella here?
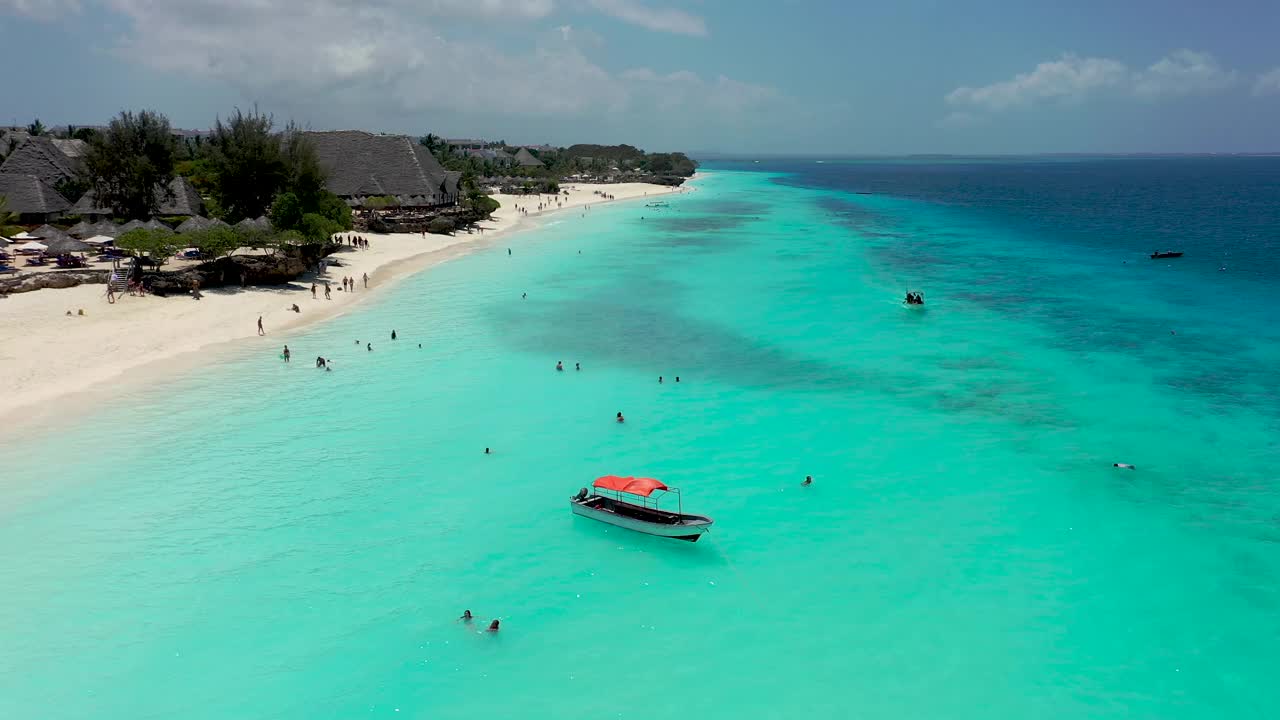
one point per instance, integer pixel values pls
(24, 235)
(100, 240)
(32, 245)
(82, 228)
(104, 227)
(66, 245)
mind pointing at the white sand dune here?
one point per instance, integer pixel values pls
(49, 360)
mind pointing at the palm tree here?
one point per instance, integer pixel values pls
(36, 128)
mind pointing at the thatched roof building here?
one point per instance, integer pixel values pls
(362, 165)
(524, 158)
(185, 202)
(33, 199)
(46, 159)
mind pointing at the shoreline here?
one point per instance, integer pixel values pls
(51, 370)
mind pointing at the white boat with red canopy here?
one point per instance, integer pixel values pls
(640, 510)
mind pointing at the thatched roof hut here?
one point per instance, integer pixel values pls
(261, 224)
(28, 195)
(185, 201)
(524, 158)
(361, 165)
(42, 157)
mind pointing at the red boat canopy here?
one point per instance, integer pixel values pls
(632, 485)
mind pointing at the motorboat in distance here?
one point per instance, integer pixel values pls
(639, 511)
(1166, 254)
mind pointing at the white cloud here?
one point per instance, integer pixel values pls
(1069, 78)
(1268, 83)
(385, 59)
(660, 19)
(1181, 73)
(1073, 79)
(40, 9)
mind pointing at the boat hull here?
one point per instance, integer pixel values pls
(688, 527)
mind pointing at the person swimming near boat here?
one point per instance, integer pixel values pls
(808, 480)
(493, 626)
(620, 418)
(467, 616)
(560, 366)
(1124, 466)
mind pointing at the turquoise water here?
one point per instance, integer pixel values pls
(262, 540)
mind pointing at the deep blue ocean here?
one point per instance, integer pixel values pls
(260, 540)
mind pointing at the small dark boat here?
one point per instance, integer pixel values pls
(640, 516)
(914, 299)
(1166, 254)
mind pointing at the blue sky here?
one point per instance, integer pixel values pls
(811, 76)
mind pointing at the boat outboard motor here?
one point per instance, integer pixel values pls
(582, 495)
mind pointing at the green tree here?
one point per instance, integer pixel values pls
(246, 164)
(155, 244)
(36, 128)
(286, 211)
(8, 220)
(130, 165)
(85, 134)
(216, 241)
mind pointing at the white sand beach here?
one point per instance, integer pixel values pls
(46, 355)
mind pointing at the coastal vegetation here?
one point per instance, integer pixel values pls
(131, 164)
(540, 169)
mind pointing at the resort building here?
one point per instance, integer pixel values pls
(525, 159)
(363, 165)
(182, 200)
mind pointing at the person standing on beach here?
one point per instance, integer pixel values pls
(260, 330)
(366, 280)
(313, 291)
(326, 290)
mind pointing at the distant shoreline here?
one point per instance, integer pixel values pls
(57, 364)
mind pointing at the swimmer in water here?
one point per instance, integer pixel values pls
(577, 366)
(486, 451)
(677, 378)
(368, 346)
(493, 626)
(466, 615)
(659, 379)
(620, 418)
(560, 365)
(808, 480)
(1125, 466)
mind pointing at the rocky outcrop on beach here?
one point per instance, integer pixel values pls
(278, 268)
(55, 279)
(440, 222)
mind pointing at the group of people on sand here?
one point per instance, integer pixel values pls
(468, 617)
(349, 283)
(358, 241)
